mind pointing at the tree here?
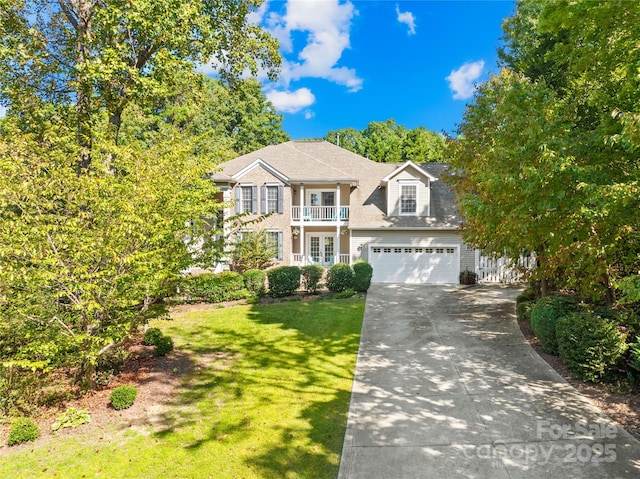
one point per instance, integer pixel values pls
(383, 141)
(421, 145)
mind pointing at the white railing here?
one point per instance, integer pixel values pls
(503, 270)
(319, 213)
(301, 260)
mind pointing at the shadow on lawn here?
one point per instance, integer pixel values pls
(294, 360)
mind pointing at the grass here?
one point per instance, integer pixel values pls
(274, 406)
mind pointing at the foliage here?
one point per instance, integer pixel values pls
(71, 418)
(523, 310)
(529, 294)
(468, 277)
(545, 315)
(255, 281)
(283, 280)
(560, 118)
(388, 142)
(20, 389)
(362, 274)
(23, 430)
(163, 346)
(213, 288)
(254, 250)
(311, 276)
(339, 277)
(590, 345)
(123, 397)
(151, 336)
(346, 293)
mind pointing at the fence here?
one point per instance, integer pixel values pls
(502, 270)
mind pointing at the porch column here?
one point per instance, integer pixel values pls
(336, 258)
(301, 201)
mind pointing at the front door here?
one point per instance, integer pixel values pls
(321, 249)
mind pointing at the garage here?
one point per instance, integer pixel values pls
(415, 264)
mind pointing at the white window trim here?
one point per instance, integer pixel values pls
(308, 193)
(414, 183)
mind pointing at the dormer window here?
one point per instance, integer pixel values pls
(409, 199)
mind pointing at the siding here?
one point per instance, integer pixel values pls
(393, 193)
(363, 238)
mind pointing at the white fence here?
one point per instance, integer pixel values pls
(502, 270)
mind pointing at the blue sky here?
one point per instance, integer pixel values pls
(347, 63)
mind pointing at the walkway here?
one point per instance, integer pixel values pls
(446, 386)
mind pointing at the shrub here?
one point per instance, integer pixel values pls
(362, 273)
(163, 346)
(151, 336)
(311, 276)
(214, 288)
(468, 277)
(339, 277)
(71, 418)
(254, 281)
(523, 310)
(123, 397)
(544, 316)
(283, 280)
(23, 429)
(589, 345)
(528, 295)
(344, 294)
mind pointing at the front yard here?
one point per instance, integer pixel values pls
(267, 397)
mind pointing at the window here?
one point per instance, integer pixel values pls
(246, 199)
(451, 250)
(408, 199)
(274, 238)
(271, 199)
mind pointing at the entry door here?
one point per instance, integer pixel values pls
(321, 249)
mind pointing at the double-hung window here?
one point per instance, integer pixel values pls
(246, 199)
(275, 239)
(271, 201)
(408, 199)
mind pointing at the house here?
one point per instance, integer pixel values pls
(329, 205)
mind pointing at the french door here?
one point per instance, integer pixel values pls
(321, 248)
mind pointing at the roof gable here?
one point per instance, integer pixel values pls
(409, 165)
(260, 164)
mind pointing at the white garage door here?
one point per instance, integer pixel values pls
(414, 265)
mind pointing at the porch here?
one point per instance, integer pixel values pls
(320, 214)
(303, 260)
(317, 245)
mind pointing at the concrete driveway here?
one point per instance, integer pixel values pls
(447, 387)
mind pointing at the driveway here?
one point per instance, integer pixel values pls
(446, 386)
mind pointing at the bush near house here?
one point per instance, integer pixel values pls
(339, 277)
(545, 315)
(311, 276)
(283, 280)
(213, 288)
(590, 345)
(362, 274)
(163, 346)
(254, 281)
(151, 336)
(23, 429)
(123, 397)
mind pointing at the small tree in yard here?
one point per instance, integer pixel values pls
(254, 250)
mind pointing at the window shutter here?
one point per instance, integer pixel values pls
(263, 199)
(238, 200)
(280, 199)
(254, 199)
(280, 245)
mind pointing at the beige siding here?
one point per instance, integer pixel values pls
(362, 239)
(393, 193)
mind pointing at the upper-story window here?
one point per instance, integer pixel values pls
(246, 199)
(408, 199)
(271, 199)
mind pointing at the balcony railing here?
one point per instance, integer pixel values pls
(302, 260)
(320, 213)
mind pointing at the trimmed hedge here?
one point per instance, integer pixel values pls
(311, 276)
(524, 310)
(123, 397)
(544, 317)
(163, 346)
(362, 273)
(339, 277)
(590, 345)
(283, 280)
(23, 429)
(151, 336)
(213, 288)
(254, 281)
(528, 295)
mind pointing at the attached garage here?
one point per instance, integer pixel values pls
(415, 264)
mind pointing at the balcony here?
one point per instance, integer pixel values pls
(302, 260)
(320, 214)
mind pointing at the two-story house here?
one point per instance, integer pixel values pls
(329, 205)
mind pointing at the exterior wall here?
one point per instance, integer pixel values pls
(393, 193)
(361, 239)
(276, 221)
(344, 192)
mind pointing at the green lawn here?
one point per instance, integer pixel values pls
(274, 407)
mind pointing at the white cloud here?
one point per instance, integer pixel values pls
(408, 19)
(291, 101)
(309, 114)
(461, 81)
(327, 25)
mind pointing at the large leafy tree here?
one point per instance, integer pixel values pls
(583, 57)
